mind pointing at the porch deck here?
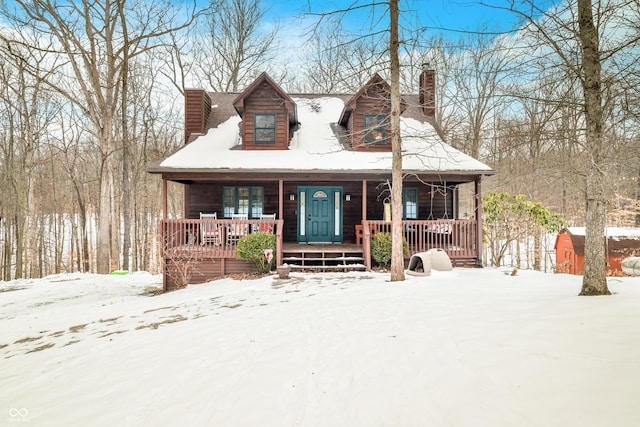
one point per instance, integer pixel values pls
(183, 238)
(183, 243)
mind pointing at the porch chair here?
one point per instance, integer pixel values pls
(209, 233)
(236, 231)
(268, 228)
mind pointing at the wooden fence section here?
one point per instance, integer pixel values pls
(458, 237)
(204, 238)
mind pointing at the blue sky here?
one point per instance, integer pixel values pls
(440, 16)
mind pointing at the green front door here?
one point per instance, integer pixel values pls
(320, 214)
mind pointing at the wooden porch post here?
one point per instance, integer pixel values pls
(366, 235)
(364, 199)
(163, 260)
(478, 209)
(280, 199)
(185, 203)
(280, 225)
(366, 243)
(164, 198)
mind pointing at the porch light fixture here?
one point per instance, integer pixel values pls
(292, 196)
(347, 197)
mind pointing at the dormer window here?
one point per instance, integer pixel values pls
(269, 116)
(365, 116)
(264, 128)
(375, 128)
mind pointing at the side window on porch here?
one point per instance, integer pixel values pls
(257, 202)
(243, 200)
(410, 202)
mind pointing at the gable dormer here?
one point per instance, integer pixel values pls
(269, 115)
(366, 116)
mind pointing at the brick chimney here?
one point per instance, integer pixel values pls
(428, 90)
(197, 107)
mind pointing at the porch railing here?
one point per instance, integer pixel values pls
(186, 239)
(459, 237)
(203, 238)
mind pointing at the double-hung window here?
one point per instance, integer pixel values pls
(264, 128)
(243, 200)
(375, 129)
(410, 202)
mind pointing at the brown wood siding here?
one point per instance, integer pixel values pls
(290, 212)
(197, 107)
(438, 207)
(350, 130)
(264, 99)
(207, 197)
(374, 101)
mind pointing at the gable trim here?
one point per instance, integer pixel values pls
(289, 103)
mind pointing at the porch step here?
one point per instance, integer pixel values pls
(327, 268)
(465, 262)
(325, 259)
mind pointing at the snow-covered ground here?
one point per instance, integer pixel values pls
(469, 347)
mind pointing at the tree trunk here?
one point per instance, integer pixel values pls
(637, 217)
(19, 236)
(397, 253)
(84, 248)
(126, 161)
(537, 249)
(594, 281)
(7, 251)
(103, 243)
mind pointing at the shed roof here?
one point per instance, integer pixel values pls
(620, 241)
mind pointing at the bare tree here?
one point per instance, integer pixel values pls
(337, 61)
(397, 253)
(376, 56)
(234, 45)
(92, 47)
(594, 280)
(24, 122)
(480, 69)
(580, 43)
(322, 59)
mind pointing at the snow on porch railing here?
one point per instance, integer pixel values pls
(458, 237)
(204, 238)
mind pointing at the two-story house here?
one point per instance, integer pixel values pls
(315, 170)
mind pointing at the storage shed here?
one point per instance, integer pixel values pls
(621, 243)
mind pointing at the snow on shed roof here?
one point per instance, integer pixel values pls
(609, 231)
(315, 147)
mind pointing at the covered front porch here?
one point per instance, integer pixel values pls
(334, 211)
(186, 251)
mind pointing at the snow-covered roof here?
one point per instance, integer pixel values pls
(609, 231)
(315, 147)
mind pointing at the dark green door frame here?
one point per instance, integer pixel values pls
(319, 214)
